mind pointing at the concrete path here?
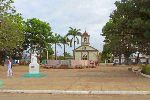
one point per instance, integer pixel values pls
(71, 97)
(75, 92)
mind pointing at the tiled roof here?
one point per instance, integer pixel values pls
(85, 33)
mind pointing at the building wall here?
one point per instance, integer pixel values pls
(78, 55)
(142, 60)
(93, 55)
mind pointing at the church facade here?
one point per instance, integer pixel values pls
(85, 51)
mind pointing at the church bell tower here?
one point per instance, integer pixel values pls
(85, 38)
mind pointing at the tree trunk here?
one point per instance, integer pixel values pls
(1, 58)
(55, 52)
(64, 52)
(119, 59)
(40, 56)
(47, 54)
(127, 60)
(137, 59)
(74, 48)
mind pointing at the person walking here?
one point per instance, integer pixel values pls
(9, 71)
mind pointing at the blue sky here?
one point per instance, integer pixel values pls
(91, 15)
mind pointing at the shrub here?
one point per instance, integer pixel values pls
(145, 69)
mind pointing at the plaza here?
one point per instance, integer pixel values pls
(75, 50)
(101, 78)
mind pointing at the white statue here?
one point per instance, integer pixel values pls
(34, 66)
(34, 58)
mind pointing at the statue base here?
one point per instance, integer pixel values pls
(28, 75)
(33, 68)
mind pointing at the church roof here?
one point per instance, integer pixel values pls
(85, 34)
(90, 48)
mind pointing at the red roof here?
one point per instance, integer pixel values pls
(85, 33)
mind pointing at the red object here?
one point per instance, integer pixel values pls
(85, 33)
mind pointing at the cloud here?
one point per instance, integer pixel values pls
(61, 14)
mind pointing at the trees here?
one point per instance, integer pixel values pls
(65, 41)
(128, 27)
(37, 34)
(11, 28)
(56, 40)
(74, 33)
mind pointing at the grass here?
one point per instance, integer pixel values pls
(1, 83)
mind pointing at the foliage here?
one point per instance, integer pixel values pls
(68, 54)
(37, 33)
(65, 41)
(145, 69)
(56, 40)
(106, 53)
(74, 33)
(16, 53)
(128, 29)
(11, 26)
(11, 29)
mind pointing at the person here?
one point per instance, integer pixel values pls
(9, 71)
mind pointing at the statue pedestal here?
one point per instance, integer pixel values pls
(33, 68)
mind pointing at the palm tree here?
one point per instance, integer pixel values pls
(65, 41)
(74, 33)
(55, 39)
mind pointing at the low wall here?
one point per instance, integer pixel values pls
(70, 63)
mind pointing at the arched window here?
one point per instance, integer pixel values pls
(84, 57)
(85, 39)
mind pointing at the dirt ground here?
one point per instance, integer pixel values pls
(100, 78)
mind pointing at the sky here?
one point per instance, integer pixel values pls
(89, 15)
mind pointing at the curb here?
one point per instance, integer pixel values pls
(74, 92)
(148, 76)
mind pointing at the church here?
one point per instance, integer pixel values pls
(85, 51)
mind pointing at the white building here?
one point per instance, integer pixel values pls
(133, 58)
(85, 51)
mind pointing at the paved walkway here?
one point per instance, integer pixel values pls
(71, 97)
(100, 78)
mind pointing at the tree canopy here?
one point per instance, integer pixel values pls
(129, 28)
(11, 26)
(37, 33)
(74, 33)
